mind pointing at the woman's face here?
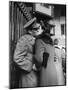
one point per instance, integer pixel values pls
(38, 31)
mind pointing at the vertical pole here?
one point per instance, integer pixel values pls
(12, 21)
(18, 21)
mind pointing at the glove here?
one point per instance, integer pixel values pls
(45, 59)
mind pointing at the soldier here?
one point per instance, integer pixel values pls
(45, 56)
(24, 55)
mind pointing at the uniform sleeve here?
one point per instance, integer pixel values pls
(22, 57)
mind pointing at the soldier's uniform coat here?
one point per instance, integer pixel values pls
(52, 74)
(48, 75)
(23, 57)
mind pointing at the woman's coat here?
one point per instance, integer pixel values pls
(23, 57)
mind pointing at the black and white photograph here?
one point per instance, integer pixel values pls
(37, 44)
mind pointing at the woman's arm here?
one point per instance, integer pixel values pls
(22, 57)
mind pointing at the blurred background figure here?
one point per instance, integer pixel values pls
(63, 55)
(58, 62)
(56, 42)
